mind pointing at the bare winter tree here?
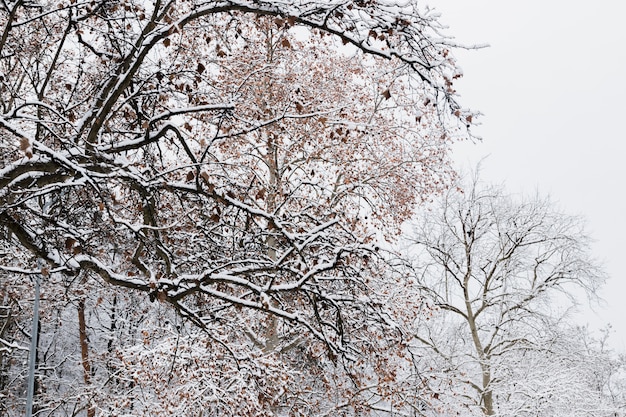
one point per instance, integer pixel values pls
(573, 374)
(495, 266)
(231, 159)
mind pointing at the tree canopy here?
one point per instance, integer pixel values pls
(235, 160)
(199, 148)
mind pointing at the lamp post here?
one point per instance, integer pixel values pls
(32, 354)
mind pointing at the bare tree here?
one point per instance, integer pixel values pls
(494, 266)
(573, 374)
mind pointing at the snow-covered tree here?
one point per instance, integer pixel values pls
(234, 160)
(573, 374)
(495, 268)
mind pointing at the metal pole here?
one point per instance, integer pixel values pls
(32, 354)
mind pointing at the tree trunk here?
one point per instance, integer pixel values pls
(84, 352)
(487, 395)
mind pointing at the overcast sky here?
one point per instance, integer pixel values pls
(552, 87)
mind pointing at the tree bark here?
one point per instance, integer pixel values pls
(84, 352)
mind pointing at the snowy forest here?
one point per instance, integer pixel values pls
(249, 208)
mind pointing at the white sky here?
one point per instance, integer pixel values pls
(552, 87)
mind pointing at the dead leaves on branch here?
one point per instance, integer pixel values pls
(297, 137)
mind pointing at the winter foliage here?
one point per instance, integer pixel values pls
(208, 192)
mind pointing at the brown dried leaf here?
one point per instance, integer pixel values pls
(69, 243)
(24, 144)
